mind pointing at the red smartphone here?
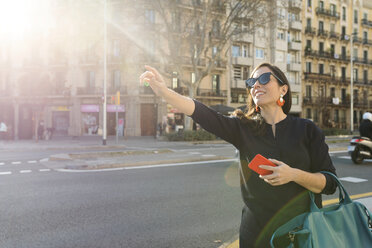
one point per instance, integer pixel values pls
(260, 160)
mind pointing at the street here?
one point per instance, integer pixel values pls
(192, 205)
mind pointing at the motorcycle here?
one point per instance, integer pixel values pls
(360, 148)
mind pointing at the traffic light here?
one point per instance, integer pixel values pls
(117, 102)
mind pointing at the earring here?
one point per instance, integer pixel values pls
(281, 101)
(257, 109)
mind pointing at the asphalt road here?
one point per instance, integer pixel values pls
(183, 206)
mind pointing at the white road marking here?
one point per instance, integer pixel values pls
(337, 152)
(5, 173)
(17, 162)
(100, 170)
(194, 153)
(25, 171)
(2, 163)
(179, 164)
(32, 162)
(44, 160)
(348, 157)
(208, 155)
(44, 170)
(353, 179)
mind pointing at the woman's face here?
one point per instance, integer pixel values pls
(266, 94)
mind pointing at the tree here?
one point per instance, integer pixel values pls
(193, 36)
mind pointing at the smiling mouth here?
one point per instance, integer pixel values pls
(259, 94)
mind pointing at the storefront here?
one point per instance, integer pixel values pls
(90, 119)
(60, 120)
(175, 120)
(111, 119)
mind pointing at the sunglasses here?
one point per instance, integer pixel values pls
(264, 78)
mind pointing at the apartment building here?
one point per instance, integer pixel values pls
(55, 74)
(333, 31)
(279, 42)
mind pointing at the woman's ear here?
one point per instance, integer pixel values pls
(284, 89)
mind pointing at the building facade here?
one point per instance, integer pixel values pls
(334, 31)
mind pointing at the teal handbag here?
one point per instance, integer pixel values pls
(346, 224)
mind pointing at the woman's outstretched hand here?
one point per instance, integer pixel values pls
(154, 79)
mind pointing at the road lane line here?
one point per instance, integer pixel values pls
(17, 162)
(178, 164)
(32, 162)
(336, 200)
(44, 170)
(100, 170)
(25, 171)
(2, 163)
(353, 179)
(5, 173)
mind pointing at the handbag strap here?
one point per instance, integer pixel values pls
(344, 197)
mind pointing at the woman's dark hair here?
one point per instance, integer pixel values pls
(254, 118)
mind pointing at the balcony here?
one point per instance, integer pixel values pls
(242, 60)
(310, 31)
(367, 42)
(344, 38)
(188, 61)
(363, 61)
(294, 45)
(366, 23)
(294, 66)
(295, 25)
(317, 76)
(334, 35)
(211, 93)
(295, 5)
(89, 91)
(322, 33)
(244, 37)
(182, 90)
(326, 55)
(327, 13)
(357, 40)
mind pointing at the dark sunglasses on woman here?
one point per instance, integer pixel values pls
(264, 78)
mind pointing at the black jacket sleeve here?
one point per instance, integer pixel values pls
(320, 159)
(227, 128)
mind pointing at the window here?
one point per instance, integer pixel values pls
(150, 15)
(259, 53)
(316, 118)
(365, 77)
(321, 91)
(308, 113)
(175, 81)
(245, 73)
(193, 78)
(116, 80)
(216, 27)
(365, 37)
(308, 91)
(355, 74)
(308, 23)
(281, 35)
(308, 44)
(90, 79)
(236, 51)
(321, 68)
(343, 32)
(356, 16)
(321, 5)
(309, 3)
(332, 27)
(335, 115)
(216, 84)
(343, 52)
(365, 56)
(321, 47)
(116, 48)
(333, 9)
(343, 73)
(344, 13)
(308, 67)
(321, 26)
(295, 100)
(333, 92)
(237, 72)
(333, 70)
(365, 15)
(343, 94)
(245, 51)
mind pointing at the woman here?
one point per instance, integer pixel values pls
(295, 145)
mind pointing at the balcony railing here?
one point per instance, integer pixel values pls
(317, 76)
(334, 35)
(322, 33)
(89, 91)
(211, 93)
(310, 31)
(182, 90)
(366, 23)
(327, 13)
(326, 55)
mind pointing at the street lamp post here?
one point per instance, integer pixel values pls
(104, 133)
(351, 71)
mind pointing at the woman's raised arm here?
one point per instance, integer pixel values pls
(184, 104)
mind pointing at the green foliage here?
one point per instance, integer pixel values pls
(335, 131)
(190, 135)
